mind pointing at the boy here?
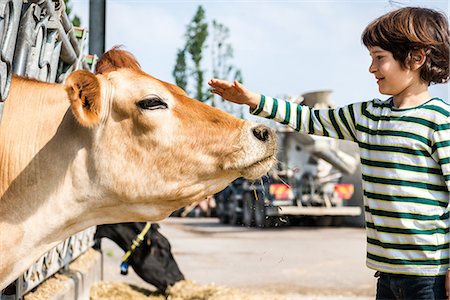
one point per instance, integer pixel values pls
(404, 144)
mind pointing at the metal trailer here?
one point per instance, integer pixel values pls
(306, 182)
(38, 41)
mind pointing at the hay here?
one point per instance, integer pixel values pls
(84, 262)
(122, 291)
(48, 288)
(189, 290)
(183, 290)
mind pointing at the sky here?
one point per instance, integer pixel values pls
(281, 47)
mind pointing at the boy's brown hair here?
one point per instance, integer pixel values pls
(407, 30)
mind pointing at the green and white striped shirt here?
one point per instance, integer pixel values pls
(405, 157)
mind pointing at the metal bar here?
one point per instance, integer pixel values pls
(24, 38)
(69, 50)
(9, 24)
(97, 17)
(38, 40)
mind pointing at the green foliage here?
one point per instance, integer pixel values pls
(197, 32)
(188, 63)
(180, 70)
(222, 54)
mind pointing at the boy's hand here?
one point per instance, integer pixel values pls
(234, 92)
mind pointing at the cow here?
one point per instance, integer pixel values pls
(116, 146)
(152, 260)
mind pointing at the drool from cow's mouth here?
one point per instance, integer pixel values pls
(259, 168)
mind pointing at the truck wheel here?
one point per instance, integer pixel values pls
(221, 206)
(223, 218)
(221, 210)
(248, 208)
(233, 207)
(261, 220)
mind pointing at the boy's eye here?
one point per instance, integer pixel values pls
(379, 57)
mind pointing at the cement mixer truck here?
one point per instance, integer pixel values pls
(306, 183)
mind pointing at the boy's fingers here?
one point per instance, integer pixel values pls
(238, 86)
(217, 89)
(219, 83)
(217, 92)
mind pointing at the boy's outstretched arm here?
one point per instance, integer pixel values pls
(336, 123)
(234, 92)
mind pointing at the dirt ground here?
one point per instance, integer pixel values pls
(289, 262)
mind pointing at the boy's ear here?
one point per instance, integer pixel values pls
(83, 89)
(418, 58)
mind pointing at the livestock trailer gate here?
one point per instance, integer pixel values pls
(37, 40)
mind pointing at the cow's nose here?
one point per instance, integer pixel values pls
(261, 132)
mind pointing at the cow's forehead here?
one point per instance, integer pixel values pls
(138, 85)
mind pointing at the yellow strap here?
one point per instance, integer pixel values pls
(136, 242)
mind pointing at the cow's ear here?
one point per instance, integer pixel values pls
(83, 89)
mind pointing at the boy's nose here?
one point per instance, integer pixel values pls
(372, 68)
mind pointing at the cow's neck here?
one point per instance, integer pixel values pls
(37, 191)
(120, 234)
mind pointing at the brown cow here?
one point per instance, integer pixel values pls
(129, 148)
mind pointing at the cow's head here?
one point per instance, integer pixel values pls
(153, 143)
(154, 261)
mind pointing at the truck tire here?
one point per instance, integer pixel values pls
(233, 207)
(222, 206)
(307, 189)
(221, 209)
(261, 219)
(224, 218)
(248, 209)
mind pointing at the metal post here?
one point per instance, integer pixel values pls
(97, 12)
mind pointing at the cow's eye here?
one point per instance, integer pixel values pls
(152, 103)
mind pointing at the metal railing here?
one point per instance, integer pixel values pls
(10, 12)
(47, 46)
(52, 261)
(38, 41)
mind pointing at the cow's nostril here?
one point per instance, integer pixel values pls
(261, 133)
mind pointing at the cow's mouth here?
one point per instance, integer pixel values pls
(258, 168)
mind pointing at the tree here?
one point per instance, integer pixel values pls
(188, 63)
(222, 54)
(179, 71)
(197, 32)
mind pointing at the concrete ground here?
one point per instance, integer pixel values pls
(298, 262)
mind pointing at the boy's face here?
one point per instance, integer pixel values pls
(391, 78)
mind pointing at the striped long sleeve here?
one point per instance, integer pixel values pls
(405, 165)
(335, 123)
(441, 149)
